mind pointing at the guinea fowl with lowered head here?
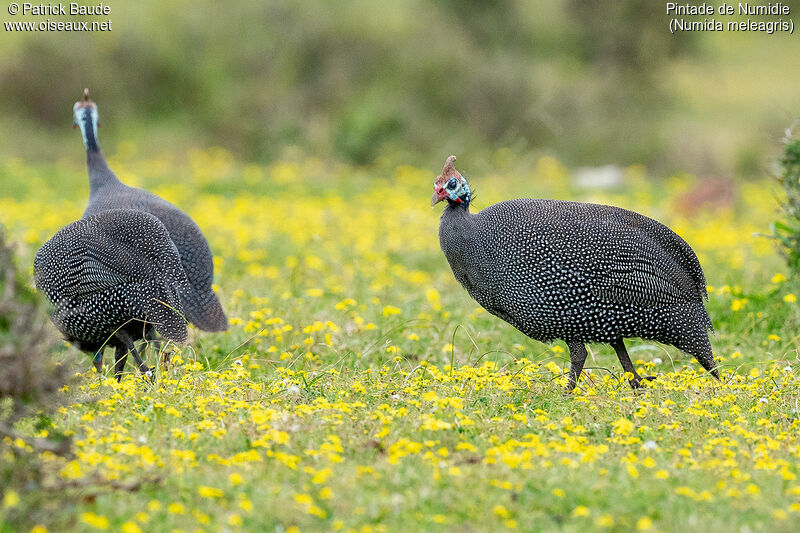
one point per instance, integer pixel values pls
(200, 303)
(578, 272)
(113, 278)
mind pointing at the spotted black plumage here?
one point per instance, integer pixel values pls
(113, 278)
(575, 271)
(200, 303)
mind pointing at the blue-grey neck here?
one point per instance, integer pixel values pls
(88, 125)
(100, 176)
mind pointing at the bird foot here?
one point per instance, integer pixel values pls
(569, 388)
(636, 382)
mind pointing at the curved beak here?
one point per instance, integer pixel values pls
(438, 195)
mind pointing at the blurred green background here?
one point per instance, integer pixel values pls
(591, 82)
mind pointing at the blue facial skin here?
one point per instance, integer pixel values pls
(86, 120)
(457, 189)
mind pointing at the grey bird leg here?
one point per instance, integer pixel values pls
(129, 348)
(166, 356)
(627, 365)
(152, 337)
(577, 357)
(120, 356)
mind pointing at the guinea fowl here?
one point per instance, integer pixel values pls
(114, 278)
(577, 272)
(200, 303)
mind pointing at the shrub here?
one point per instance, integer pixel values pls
(787, 230)
(28, 374)
(29, 379)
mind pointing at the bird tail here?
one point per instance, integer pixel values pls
(705, 355)
(692, 337)
(709, 325)
(167, 320)
(203, 309)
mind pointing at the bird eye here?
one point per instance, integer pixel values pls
(451, 184)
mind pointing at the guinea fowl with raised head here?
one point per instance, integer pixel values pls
(200, 303)
(576, 271)
(113, 278)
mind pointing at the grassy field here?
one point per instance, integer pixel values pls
(360, 389)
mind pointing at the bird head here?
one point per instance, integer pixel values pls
(450, 185)
(86, 119)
